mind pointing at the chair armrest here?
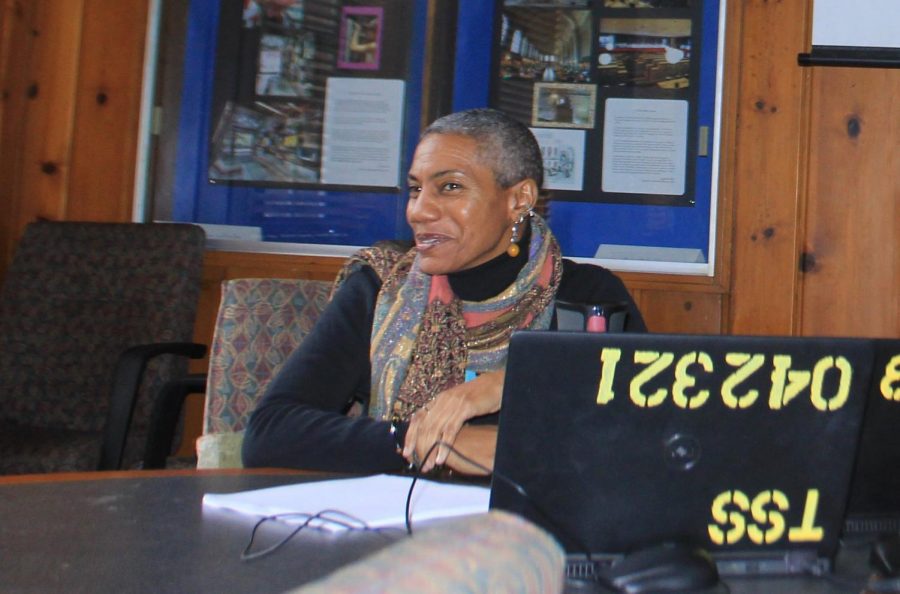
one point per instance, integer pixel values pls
(164, 418)
(126, 382)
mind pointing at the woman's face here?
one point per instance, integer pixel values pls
(460, 217)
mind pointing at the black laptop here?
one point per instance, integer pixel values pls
(874, 506)
(742, 445)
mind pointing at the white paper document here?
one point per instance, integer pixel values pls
(645, 146)
(379, 501)
(362, 133)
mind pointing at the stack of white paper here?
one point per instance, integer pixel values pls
(378, 501)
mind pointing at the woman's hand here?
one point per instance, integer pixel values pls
(443, 418)
(478, 443)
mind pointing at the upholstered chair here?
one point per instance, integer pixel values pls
(260, 322)
(88, 313)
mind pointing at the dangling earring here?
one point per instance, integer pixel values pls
(513, 249)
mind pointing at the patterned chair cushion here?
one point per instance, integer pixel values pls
(260, 323)
(492, 553)
(219, 450)
(75, 297)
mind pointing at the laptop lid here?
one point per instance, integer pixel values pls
(875, 493)
(742, 445)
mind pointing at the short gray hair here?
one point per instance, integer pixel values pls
(505, 143)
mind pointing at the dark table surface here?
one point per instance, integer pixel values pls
(148, 532)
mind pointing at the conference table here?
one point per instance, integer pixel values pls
(147, 531)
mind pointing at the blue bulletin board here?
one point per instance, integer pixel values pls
(674, 236)
(305, 217)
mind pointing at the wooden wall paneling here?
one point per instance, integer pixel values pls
(108, 104)
(39, 186)
(728, 126)
(851, 283)
(681, 312)
(16, 40)
(674, 303)
(769, 151)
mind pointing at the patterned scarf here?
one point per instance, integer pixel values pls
(424, 338)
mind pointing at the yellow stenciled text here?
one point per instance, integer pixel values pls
(680, 378)
(762, 519)
(890, 382)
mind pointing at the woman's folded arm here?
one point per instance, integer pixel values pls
(300, 422)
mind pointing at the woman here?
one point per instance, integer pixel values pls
(420, 337)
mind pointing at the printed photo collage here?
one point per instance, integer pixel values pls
(274, 63)
(606, 86)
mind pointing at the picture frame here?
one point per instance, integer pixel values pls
(647, 4)
(564, 105)
(644, 52)
(360, 38)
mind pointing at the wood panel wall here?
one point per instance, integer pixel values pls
(771, 117)
(814, 184)
(850, 257)
(808, 204)
(71, 73)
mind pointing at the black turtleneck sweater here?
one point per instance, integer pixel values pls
(300, 420)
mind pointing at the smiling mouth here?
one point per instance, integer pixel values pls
(425, 242)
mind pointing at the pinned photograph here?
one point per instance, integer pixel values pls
(273, 13)
(644, 53)
(269, 142)
(562, 105)
(547, 3)
(546, 45)
(563, 155)
(360, 38)
(284, 64)
(647, 3)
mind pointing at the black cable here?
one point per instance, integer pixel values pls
(343, 520)
(417, 465)
(350, 522)
(496, 475)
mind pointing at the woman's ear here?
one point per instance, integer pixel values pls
(523, 198)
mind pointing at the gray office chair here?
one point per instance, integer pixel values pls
(85, 310)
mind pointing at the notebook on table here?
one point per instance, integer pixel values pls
(874, 506)
(742, 445)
